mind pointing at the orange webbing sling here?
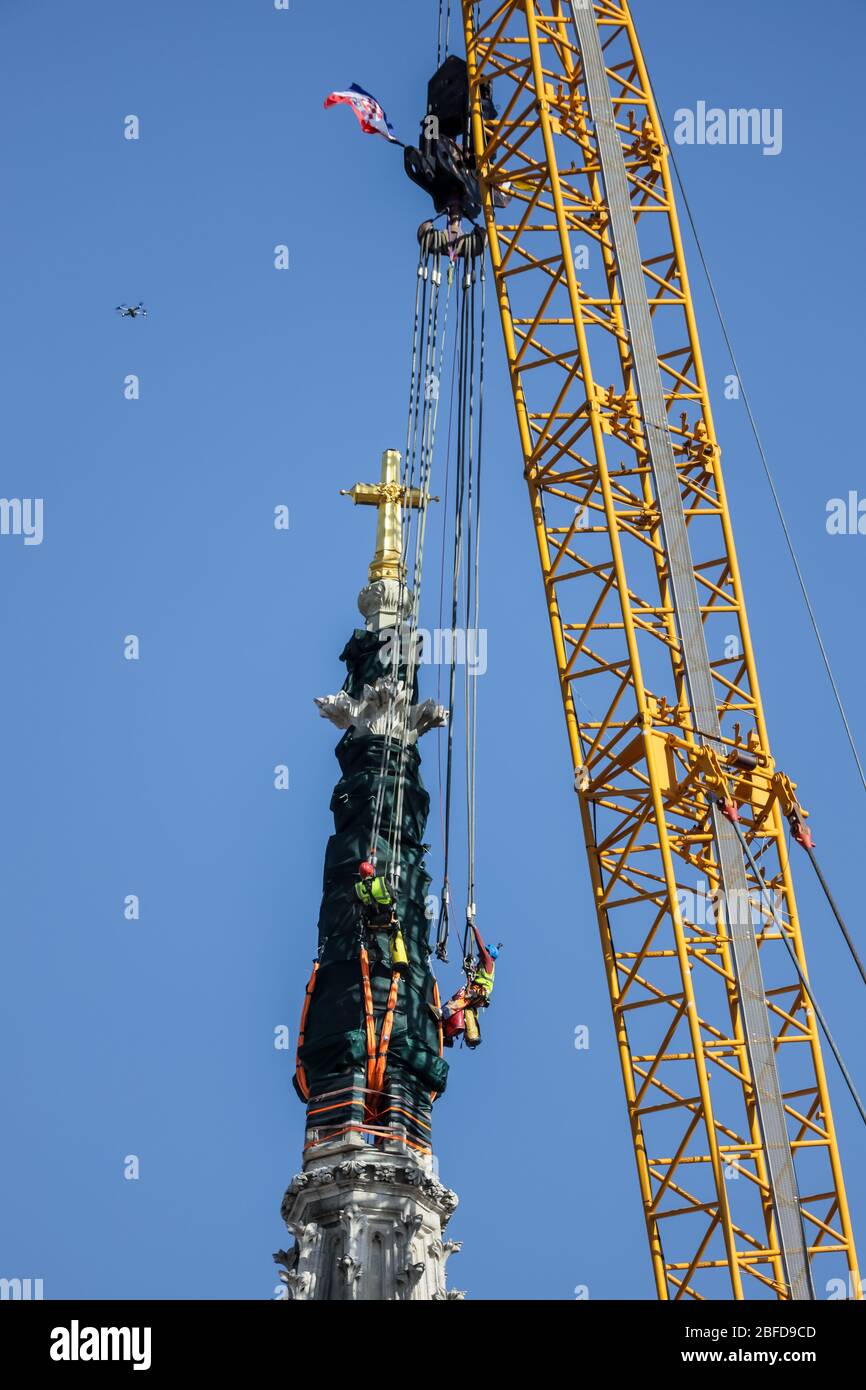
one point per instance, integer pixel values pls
(377, 1055)
(368, 1015)
(300, 1073)
(385, 1035)
(437, 1000)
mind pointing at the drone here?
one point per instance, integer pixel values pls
(136, 311)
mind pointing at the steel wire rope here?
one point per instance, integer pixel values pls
(421, 283)
(437, 357)
(807, 988)
(789, 540)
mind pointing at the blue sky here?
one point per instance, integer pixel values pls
(155, 777)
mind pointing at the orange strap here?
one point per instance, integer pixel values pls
(368, 1016)
(385, 1036)
(366, 1129)
(437, 1000)
(401, 1110)
(300, 1073)
(377, 1056)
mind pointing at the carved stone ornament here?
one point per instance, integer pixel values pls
(356, 1171)
(382, 709)
(384, 596)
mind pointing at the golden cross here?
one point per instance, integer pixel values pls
(390, 496)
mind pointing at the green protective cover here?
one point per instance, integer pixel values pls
(335, 1038)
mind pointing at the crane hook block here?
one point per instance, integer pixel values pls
(439, 241)
(443, 162)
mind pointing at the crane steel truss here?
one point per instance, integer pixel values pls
(741, 1181)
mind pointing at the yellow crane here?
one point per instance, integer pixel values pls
(682, 805)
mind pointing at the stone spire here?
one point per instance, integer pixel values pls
(367, 1211)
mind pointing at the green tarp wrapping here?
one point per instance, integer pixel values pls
(335, 1039)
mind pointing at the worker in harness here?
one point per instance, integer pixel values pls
(459, 1017)
(379, 910)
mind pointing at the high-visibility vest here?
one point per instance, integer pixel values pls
(373, 891)
(485, 979)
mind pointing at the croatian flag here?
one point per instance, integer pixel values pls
(371, 116)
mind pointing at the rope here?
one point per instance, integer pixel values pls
(807, 989)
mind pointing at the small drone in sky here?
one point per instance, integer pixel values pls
(136, 311)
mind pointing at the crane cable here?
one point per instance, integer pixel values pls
(433, 375)
(459, 487)
(469, 360)
(804, 840)
(417, 430)
(807, 989)
(442, 927)
(463, 513)
(784, 524)
(472, 594)
(443, 31)
(421, 309)
(426, 319)
(835, 909)
(760, 447)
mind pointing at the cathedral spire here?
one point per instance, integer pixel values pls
(367, 1210)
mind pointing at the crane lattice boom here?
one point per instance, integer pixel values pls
(727, 1096)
